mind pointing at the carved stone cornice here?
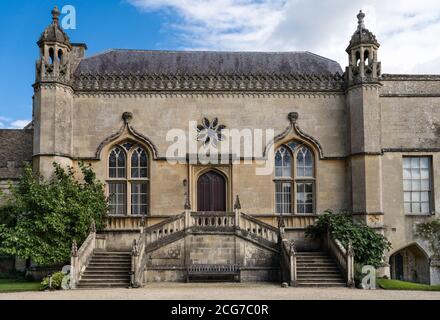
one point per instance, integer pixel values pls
(182, 83)
(410, 77)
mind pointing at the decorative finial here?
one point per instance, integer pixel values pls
(237, 204)
(187, 205)
(74, 251)
(361, 17)
(292, 247)
(292, 116)
(55, 14)
(127, 116)
(350, 250)
(135, 248)
(92, 226)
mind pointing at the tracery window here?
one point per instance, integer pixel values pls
(294, 179)
(128, 181)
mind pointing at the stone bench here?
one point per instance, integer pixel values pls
(213, 272)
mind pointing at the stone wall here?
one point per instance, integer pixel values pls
(168, 263)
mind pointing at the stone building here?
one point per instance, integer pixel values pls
(352, 139)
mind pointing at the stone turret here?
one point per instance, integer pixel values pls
(55, 48)
(363, 66)
(53, 97)
(363, 109)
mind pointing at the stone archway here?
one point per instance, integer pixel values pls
(410, 263)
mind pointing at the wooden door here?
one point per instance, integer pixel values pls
(211, 192)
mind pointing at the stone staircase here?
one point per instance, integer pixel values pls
(318, 269)
(107, 270)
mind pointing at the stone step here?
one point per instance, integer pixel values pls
(319, 275)
(106, 271)
(318, 269)
(107, 268)
(316, 263)
(109, 264)
(313, 253)
(116, 253)
(321, 279)
(315, 272)
(121, 260)
(106, 278)
(99, 280)
(102, 285)
(321, 284)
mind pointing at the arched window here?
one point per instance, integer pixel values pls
(294, 179)
(51, 56)
(128, 181)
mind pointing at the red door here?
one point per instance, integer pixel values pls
(211, 192)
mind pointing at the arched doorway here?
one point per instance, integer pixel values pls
(211, 192)
(410, 264)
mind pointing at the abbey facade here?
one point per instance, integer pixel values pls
(349, 139)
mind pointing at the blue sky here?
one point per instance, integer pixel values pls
(406, 29)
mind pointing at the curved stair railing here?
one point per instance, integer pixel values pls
(258, 229)
(152, 236)
(343, 257)
(165, 228)
(81, 257)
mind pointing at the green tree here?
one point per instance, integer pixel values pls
(368, 245)
(43, 217)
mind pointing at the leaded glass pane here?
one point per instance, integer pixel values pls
(304, 197)
(283, 163)
(139, 198)
(304, 163)
(283, 197)
(416, 184)
(117, 196)
(139, 164)
(117, 163)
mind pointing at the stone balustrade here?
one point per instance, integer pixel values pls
(212, 220)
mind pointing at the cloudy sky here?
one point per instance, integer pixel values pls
(407, 30)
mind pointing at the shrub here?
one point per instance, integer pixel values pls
(48, 215)
(368, 245)
(53, 282)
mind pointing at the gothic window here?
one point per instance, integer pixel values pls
(417, 185)
(128, 181)
(294, 179)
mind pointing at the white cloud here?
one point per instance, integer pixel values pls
(19, 124)
(8, 123)
(407, 30)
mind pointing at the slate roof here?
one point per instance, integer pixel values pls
(15, 149)
(206, 63)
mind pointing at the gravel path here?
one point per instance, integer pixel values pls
(180, 291)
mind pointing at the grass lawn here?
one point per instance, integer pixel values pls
(388, 284)
(15, 285)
